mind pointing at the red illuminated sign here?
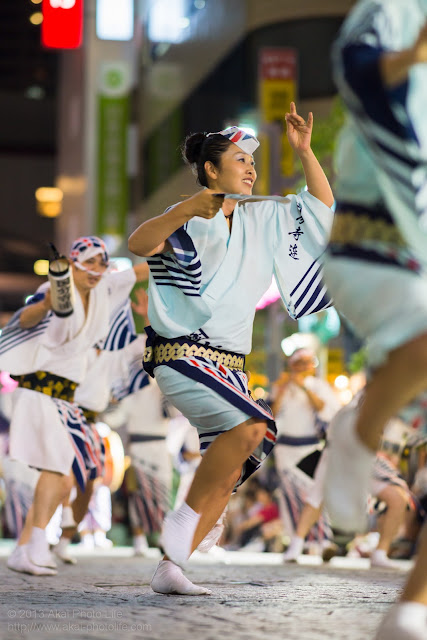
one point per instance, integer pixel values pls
(62, 26)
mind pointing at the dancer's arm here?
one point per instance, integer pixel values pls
(142, 271)
(34, 313)
(151, 236)
(395, 66)
(299, 136)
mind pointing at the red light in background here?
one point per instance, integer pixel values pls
(62, 26)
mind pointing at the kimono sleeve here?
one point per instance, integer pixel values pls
(176, 306)
(20, 349)
(371, 32)
(302, 231)
(122, 329)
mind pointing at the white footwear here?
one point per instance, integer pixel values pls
(101, 541)
(61, 551)
(178, 532)
(169, 579)
(406, 621)
(294, 550)
(87, 541)
(67, 519)
(379, 558)
(348, 474)
(140, 545)
(38, 549)
(20, 562)
(210, 540)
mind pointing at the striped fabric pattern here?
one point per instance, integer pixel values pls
(122, 329)
(19, 497)
(247, 142)
(383, 116)
(87, 460)
(385, 471)
(231, 385)
(12, 335)
(138, 379)
(310, 294)
(150, 501)
(182, 268)
(293, 491)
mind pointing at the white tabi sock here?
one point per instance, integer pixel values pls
(38, 549)
(294, 550)
(210, 540)
(140, 544)
(169, 579)
(61, 550)
(20, 562)
(178, 532)
(348, 474)
(379, 558)
(405, 621)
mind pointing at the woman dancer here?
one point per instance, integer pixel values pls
(211, 258)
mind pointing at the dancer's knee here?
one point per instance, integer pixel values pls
(66, 484)
(253, 435)
(416, 354)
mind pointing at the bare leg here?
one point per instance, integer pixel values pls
(396, 501)
(309, 517)
(210, 491)
(51, 490)
(416, 587)
(392, 387)
(80, 507)
(25, 536)
(355, 438)
(408, 619)
(222, 461)
(45, 500)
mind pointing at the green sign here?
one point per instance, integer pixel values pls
(113, 111)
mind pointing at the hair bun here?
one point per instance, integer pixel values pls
(192, 147)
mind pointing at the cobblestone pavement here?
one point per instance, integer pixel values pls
(254, 597)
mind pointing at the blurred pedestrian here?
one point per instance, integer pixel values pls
(376, 268)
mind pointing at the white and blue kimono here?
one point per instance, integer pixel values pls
(378, 245)
(118, 373)
(206, 292)
(382, 151)
(49, 432)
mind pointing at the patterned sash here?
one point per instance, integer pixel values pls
(161, 351)
(48, 383)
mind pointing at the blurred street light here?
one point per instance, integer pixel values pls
(49, 201)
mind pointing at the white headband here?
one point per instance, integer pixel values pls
(244, 140)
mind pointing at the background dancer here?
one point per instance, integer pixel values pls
(118, 373)
(48, 355)
(376, 269)
(203, 291)
(303, 406)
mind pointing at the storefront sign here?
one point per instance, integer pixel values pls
(62, 26)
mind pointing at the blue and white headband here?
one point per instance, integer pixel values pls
(88, 247)
(244, 140)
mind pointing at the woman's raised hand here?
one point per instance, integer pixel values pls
(298, 130)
